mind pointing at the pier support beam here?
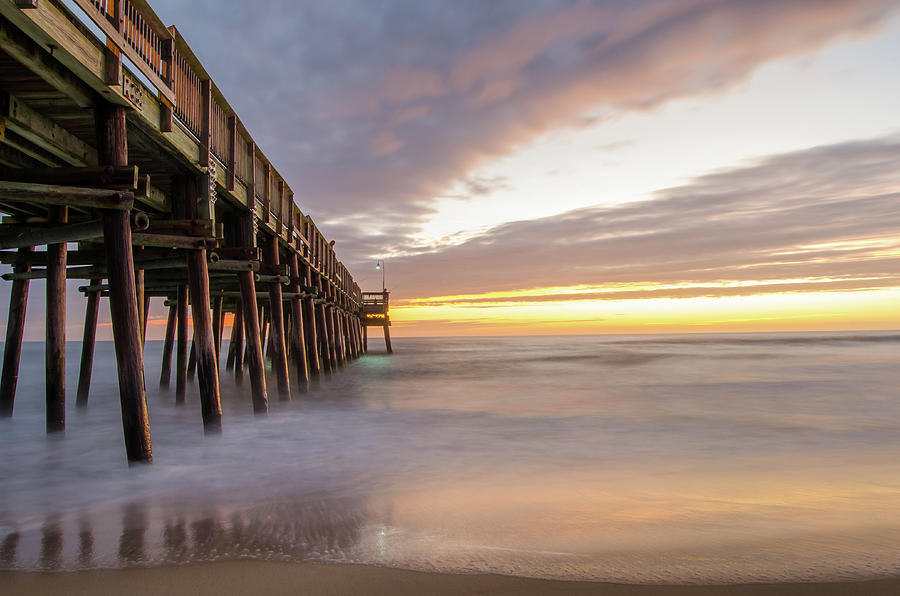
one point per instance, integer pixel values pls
(217, 316)
(340, 339)
(254, 343)
(165, 374)
(203, 347)
(139, 293)
(351, 336)
(91, 311)
(56, 328)
(15, 326)
(333, 336)
(207, 363)
(112, 149)
(232, 342)
(192, 358)
(146, 316)
(322, 331)
(309, 322)
(276, 313)
(387, 339)
(239, 345)
(298, 339)
(181, 361)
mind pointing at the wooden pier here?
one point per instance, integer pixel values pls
(113, 136)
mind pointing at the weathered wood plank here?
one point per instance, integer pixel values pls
(124, 178)
(51, 194)
(36, 59)
(173, 241)
(22, 236)
(46, 134)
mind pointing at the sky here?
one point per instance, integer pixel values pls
(549, 166)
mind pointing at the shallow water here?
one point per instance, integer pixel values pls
(637, 459)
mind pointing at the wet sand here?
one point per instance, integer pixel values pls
(258, 577)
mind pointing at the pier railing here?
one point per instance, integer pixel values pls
(191, 100)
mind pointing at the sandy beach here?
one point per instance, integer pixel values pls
(256, 577)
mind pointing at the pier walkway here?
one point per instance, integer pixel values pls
(113, 136)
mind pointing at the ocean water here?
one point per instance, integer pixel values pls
(696, 458)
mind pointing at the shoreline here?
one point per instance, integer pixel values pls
(277, 578)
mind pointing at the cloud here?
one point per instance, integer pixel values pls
(819, 219)
(377, 108)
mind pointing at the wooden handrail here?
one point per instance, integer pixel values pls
(167, 61)
(134, 19)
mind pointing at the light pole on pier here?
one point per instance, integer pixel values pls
(380, 265)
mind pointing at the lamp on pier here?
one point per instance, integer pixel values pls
(380, 265)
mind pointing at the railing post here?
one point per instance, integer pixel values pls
(113, 71)
(280, 213)
(251, 183)
(267, 189)
(167, 53)
(232, 151)
(205, 118)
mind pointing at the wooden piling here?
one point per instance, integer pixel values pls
(139, 294)
(322, 331)
(91, 311)
(127, 337)
(146, 318)
(217, 316)
(192, 357)
(254, 345)
(181, 362)
(276, 314)
(112, 149)
(349, 333)
(309, 325)
(165, 374)
(264, 331)
(345, 344)
(207, 363)
(387, 339)
(15, 326)
(232, 341)
(239, 346)
(339, 345)
(332, 336)
(298, 335)
(55, 355)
